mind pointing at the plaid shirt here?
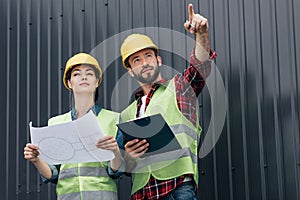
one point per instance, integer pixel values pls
(188, 86)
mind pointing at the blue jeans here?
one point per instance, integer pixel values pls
(186, 191)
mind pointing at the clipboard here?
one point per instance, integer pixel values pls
(155, 130)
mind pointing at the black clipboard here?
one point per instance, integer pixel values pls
(155, 130)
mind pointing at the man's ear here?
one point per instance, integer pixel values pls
(159, 60)
(130, 72)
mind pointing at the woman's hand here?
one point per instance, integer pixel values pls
(108, 142)
(31, 152)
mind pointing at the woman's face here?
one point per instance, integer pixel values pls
(83, 79)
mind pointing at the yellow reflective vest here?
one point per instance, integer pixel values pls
(87, 180)
(172, 164)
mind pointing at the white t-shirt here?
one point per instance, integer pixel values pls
(142, 109)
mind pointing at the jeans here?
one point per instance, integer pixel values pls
(186, 191)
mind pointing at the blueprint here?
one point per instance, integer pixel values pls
(71, 142)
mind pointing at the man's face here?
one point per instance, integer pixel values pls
(144, 66)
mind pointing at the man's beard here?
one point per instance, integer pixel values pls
(149, 78)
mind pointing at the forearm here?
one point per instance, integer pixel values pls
(116, 162)
(202, 46)
(43, 168)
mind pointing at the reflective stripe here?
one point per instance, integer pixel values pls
(82, 171)
(103, 195)
(88, 177)
(168, 165)
(171, 156)
(182, 128)
(89, 195)
(71, 196)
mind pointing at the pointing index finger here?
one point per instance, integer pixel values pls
(191, 12)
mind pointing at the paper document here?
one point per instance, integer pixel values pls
(71, 142)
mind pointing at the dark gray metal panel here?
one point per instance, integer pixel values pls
(257, 155)
(253, 80)
(3, 105)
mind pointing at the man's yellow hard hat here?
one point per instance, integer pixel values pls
(134, 43)
(78, 59)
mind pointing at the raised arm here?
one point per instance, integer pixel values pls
(198, 25)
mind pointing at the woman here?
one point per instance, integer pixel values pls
(83, 181)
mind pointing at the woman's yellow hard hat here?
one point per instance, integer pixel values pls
(81, 58)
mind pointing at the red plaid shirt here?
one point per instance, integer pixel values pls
(188, 85)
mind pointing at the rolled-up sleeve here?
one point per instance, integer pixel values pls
(54, 178)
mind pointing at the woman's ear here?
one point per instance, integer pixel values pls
(69, 84)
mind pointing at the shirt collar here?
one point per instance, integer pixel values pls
(95, 108)
(140, 92)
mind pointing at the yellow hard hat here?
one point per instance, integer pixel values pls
(134, 43)
(81, 58)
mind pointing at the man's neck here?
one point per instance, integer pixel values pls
(147, 86)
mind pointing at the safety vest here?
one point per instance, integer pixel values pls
(171, 164)
(81, 181)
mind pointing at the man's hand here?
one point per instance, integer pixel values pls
(198, 25)
(136, 148)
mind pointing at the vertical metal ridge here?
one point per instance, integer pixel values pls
(59, 56)
(28, 91)
(260, 100)
(81, 27)
(216, 189)
(276, 104)
(50, 17)
(116, 74)
(70, 50)
(38, 78)
(70, 35)
(17, 139)
(227, 77)
(244, 102)
(213, 20)
(93, 26)
(294, 106)
(49, 56)
(105, 35)
(215, 175)
(9, 28)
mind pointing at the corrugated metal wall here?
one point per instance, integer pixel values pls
(257, 155)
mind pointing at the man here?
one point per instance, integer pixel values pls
(173, 175)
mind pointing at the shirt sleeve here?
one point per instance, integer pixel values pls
(54, 178)
(195, 74)
(119, 172)
(203, 68)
